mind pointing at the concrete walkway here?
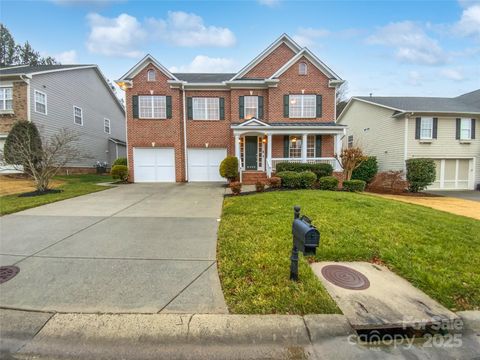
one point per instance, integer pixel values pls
(141, 248)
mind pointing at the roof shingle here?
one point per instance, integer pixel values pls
(27, 69)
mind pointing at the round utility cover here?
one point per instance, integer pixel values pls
(8, 272)
(345, 277)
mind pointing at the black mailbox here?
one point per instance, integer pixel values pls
(306, 236)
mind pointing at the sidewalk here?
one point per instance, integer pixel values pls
(26, 335)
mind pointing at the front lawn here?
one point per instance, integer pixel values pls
(436, 251)
(72, 185)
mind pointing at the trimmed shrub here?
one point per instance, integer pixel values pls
(275, 182)
(388, 182)
(367, 170)
(229, 168)
(328, 183)
(320, 170)
(297, 180)
(259, 186)
(119, 172)
(354, 185)
(420, 173)
(307, 179)
(236, 187)
(14, 152)
(120, 161)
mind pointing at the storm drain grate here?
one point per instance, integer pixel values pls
(345, 277)
(8, 272)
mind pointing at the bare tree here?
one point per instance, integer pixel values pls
(43, 162)
(342, 98)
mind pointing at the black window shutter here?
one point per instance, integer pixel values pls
(319, 106)
(473, 129)
(168, 100)
(435, 128)
(222, 108)
(457, 129)
(286, 141)
(189, 108)
(285, 105)
(241, 107)
(318, 146)
(260, 107)
(417, 127)
(135, 106)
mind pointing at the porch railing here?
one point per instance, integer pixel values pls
(322, 160)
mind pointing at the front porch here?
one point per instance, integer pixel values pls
(260, 146)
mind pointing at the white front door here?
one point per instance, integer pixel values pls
(204, 164)
(453, 174)
(154, 164)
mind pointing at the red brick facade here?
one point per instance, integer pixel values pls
(218, 133)
(20, 108)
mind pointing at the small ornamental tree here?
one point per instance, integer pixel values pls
(351, 159)
(229, 168)
(420, 173)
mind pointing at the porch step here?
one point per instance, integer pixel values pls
(251, 177)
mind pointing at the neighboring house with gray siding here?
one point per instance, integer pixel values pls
(395, 129)
(75, 97)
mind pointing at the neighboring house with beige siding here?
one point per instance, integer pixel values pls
(73, 97)
(395, 129)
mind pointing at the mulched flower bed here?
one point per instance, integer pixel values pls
(39, 193)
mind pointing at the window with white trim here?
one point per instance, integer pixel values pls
(106, 125)
(350, 141)
(426, 128)
(295, 147)
(6, 98)
(311, 148)
(151, 75)
(152, 107)
(465, 129)
(302, 106)
(302, 68)
(40, 102)
(251, 107)
(205, 108)
(77, 115)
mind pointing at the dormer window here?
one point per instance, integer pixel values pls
(151, 75)
(302, 68)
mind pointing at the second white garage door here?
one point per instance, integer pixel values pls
(453, 174)
(154, 164)
(203, 164)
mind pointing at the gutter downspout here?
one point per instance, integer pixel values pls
(185, 131)
(405, 146)
(27, 81)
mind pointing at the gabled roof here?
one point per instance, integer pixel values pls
(252, 122)
(283, 39)
(141, 65)
(204, 77)
(313, 59)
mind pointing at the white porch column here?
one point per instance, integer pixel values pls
(304, 148)
(338, 150)
(269, 155)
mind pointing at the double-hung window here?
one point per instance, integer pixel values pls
(251, 107)
(205, 108)
(106, 125)
(77, 115)
(465, 129)
(350, 141)
(6, 98)
(152, 107)
(426, 128)
(295, 147)
(302, 106)
(40, 102)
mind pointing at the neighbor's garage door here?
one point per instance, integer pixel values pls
(452, 174)
(203, 164)
(154, 165)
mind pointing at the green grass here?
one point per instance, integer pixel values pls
(436, 251)
(75, 185)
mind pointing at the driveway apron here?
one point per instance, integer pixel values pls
(140, 248)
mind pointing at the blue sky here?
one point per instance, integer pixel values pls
(418, 48)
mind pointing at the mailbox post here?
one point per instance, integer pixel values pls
(306, 239)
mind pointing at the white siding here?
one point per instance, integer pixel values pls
(85, 89)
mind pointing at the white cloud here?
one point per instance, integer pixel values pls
(188, 29)
(118, 36)
(270, 3)
(203, 63)
(469, 24)
(414, 78)
(67, 57)
(452, 74)
(410, 42)
(307, 36)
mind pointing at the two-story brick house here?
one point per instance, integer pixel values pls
(280, 107)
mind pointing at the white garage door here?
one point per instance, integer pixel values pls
(154, 165)
(203, 164)
(453, 174)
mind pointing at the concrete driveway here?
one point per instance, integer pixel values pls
(141, 248)
(466, 195)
